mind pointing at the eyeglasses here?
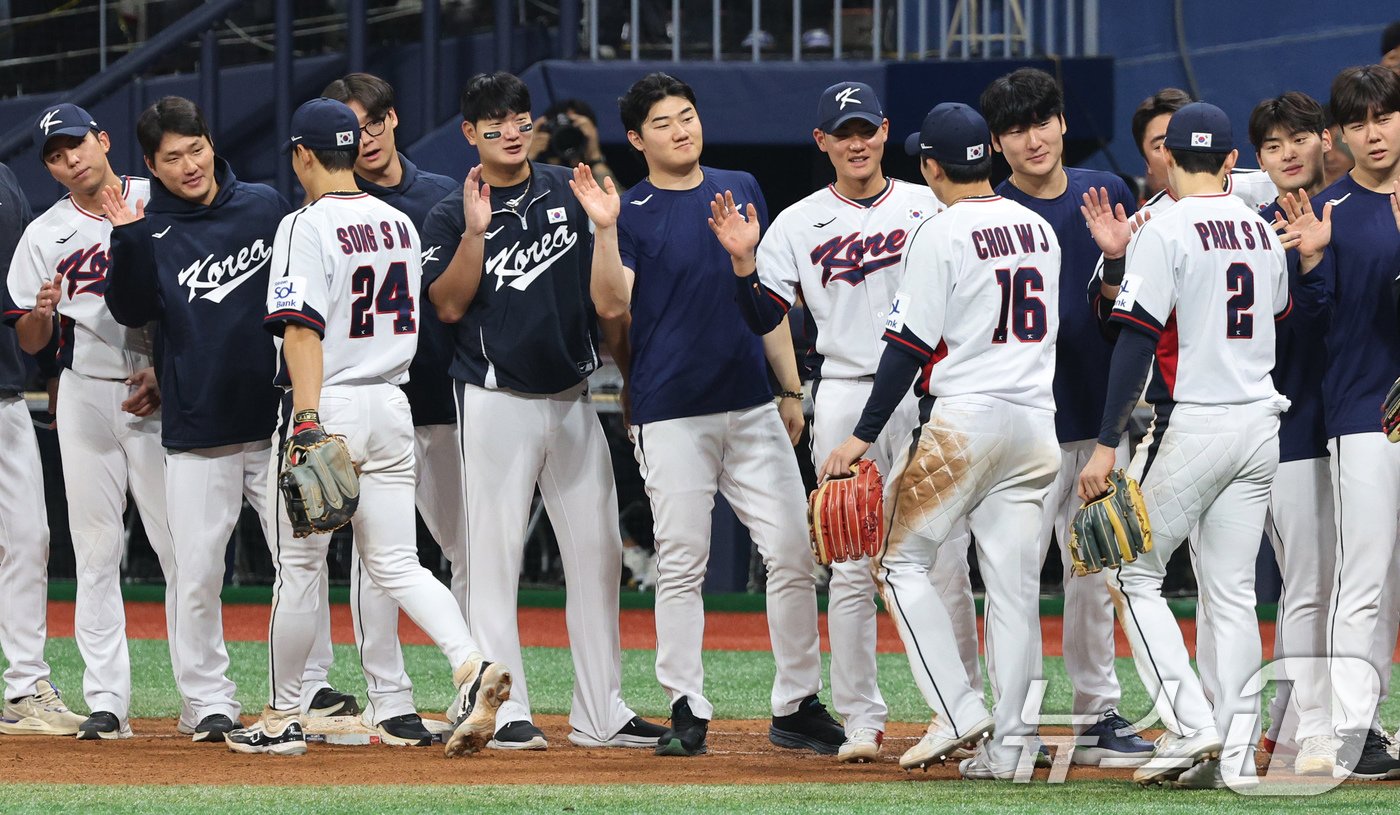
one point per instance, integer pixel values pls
(374, 128)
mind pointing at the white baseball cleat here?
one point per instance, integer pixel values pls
(1317, 755)
(1173, 755)
(482, 687)
(42, 714)
(978, 767)
(861, 746)
(938, 745)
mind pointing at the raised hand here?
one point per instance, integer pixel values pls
(601, 202)
(1312, 233)
(1395, 203)
(46, 301)
(476, 203)
(115, 208)
(1109, 225)
(737, 232)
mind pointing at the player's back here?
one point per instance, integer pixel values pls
(988, 269)
(357, 258)
(1209, 276)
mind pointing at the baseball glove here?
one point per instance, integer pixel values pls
(320, 485)
(847, 515)
(1390, 413)
(1112, 529)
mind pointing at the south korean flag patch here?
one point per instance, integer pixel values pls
(1200, 140)
(344, 138)
(976, 151)
(557, 216)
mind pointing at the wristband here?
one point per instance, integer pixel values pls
(1113, 270)
(303, 419)
(791, 395)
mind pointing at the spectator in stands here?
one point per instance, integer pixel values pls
(1390, 47)
(567, 135)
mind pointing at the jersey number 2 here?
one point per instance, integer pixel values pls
(393, 297)
(1023, 312)
(1239, 322)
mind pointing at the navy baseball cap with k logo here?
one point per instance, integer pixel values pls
(845, 101)
(63, 120)
(324, 124)
(1200, 127)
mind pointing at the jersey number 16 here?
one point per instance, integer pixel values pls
(1023, 312)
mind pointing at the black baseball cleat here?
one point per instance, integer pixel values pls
(404, 731)
(103, 725)
(330, 702)
(518, 735)
(291, 741)
(686, 736)
(638, 732)
(810, 727)
(1366, 758)
(213, 728)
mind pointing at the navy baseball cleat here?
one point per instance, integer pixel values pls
(810, 727)
(686, 736)
(1117, 743)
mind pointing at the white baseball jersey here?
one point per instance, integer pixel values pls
(980, 293)
(70, 240)
(845, 261)
(1208, 278)
(347, 266)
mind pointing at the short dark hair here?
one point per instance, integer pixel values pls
(493, 96)
(1024, 97)
(334, 160)
(1167, 100)
(1193, 161)
(578, 106)
(966, 173)
(169, 114)
(1390, 38)
(374, 94)
(1363, 90)
(646, 92)
(1293, 112)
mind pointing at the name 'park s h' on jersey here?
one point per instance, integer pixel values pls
(981, 286)
(347, 266)
(67, 238)
(1207, 278)
(845, 261)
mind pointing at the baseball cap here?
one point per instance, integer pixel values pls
(952, 133)
(324, 124)
(845, 101)
(62, 120)
(1200, 127)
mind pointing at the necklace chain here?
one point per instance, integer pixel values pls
(512, 203)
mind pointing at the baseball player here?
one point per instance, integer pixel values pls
(703, 419)
(194, 260)
(1205, 281)
(1290, 141)
(512, 256)
(343, 294)
(108, 419)
(32, 704)
(975, 323)
(840, 250)
(1025, 110)
(1363, 357)
(388, 175)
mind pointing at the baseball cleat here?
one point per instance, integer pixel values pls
(1317, 755)
(42, 714)
(103, 725)
(289, 741)
(1116, 741)
(482, 689)
(636, 733)
(938, 745)
(863, 745)
(686, 736)
(404, 731)
(330, 702)
(810, 727)
(518, 735)
(1366, 758)
(213, 728)
(1173, 755)
(979, 767)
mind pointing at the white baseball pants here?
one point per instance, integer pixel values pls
(747, 456)
(990, 462)
(850, 608)
(1087, 641)
(510, 443)
(1209, 468)
(105, 451)
(24, 552)
(378, 428)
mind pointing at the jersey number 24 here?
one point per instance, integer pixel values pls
(392, 297)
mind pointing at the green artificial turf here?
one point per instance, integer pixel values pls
(939, 798)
